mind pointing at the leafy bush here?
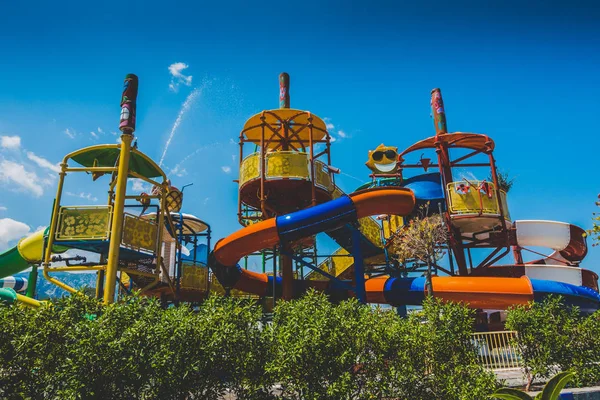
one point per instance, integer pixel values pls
(454, 370)
(554, 337)
(323, 351)
(77, 348)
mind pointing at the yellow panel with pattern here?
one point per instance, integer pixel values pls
(333, 265)
(504, 205)
(323, 176)
(287, 164)
(84, 223)
(250, 168)
(391, 225)
(139, 233)
(218, 289)
(466, 198)
(194, 277)
(371, 230)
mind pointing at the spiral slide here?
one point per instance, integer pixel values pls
(567, 240)
(480, 292)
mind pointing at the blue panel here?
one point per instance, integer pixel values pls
(404, 291)
(19, 283)
(425, 187)
(278, 286)
(310, 221)
(583, 297)
(201, 254)
(359, 267)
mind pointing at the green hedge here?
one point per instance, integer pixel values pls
(313, 349)
(553, 337)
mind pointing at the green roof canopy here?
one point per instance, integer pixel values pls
(103, 156)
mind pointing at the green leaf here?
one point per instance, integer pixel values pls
(555, 385)
(510, 394)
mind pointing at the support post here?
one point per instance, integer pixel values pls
(32, 281)
(274, 276)
(359, 268)
(284, 90)
(438, 113)
(287, 273)
(402, 311)
(127, 127)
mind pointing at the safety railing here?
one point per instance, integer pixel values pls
(84, 223)
(496, 349)
(335, 265)
(195, 277)
(285, 165)
(139, 234)
(475, 197)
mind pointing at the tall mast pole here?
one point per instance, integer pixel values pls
(127, 127)
(438, 113)
(287, 271)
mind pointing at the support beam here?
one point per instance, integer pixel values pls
(359, 267)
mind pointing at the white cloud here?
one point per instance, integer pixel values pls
(233, 156)
(12, 172)
(206, 199)
(94, 134)
(342, 134)
(178, 171)
(328, 124)
(70, 133)
(82, 195)
(333, 139)
(178, 77)
(2, 208)
(42, 162)
(226, 169)
(114, 133)
(10, 142)
(138, 186)
(100, 131)
(232, 141)
(11, 230)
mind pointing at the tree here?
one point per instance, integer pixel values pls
(595, 231)
(505, 182)
(545, 333)
(421, 240)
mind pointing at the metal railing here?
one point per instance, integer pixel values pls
(496, 350)
(475, 197)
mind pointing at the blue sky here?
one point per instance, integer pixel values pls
(526, 76)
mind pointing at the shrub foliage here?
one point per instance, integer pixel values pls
(553, 337)
(313, 349)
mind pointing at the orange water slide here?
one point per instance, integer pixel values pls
(478, 292)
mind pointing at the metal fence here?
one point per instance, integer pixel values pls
(496, 349)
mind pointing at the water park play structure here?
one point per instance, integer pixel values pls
(287, 196)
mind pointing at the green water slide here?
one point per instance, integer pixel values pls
(27, 252)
